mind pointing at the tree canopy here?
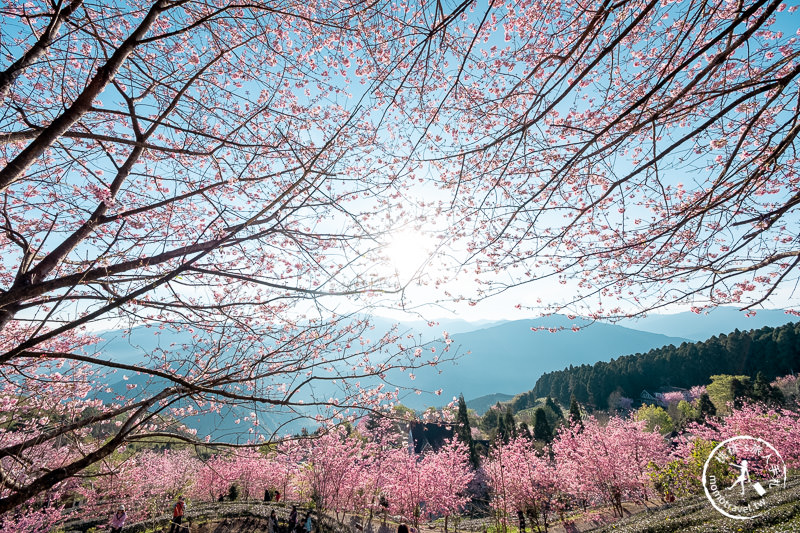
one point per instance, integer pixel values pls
(238, 170)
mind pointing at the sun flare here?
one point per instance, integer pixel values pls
(407, 253)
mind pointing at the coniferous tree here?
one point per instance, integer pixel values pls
(764, 392)
(489, 420)
(706, 406)
(773, 351)
(541, 427)
(511, 425)
(524, 431)
(740, 391)
(574, 411)
(554, 406)
(502, 431)
(464, 431)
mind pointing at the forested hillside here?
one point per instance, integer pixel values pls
(772, 351)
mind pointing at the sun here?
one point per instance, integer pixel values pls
(408, 253)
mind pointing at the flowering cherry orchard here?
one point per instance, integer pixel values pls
(236, 171)
(588, 464)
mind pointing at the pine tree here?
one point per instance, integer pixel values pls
(554, 406)
(510, 423)
(574, 412)
(464, 431)
(764, 392)
(541, 427)
(740, 391)
(488, 421)
(502, 432)
(524, 431)
(706, 406)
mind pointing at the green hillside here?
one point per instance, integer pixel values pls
(771, 351)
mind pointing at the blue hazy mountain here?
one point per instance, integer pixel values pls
(508, 358)
(505, 357)
(482, 404)
(703, 326)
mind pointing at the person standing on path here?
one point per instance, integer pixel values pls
(293, 519)
(118, 520)
(272, 523)
(177, 515)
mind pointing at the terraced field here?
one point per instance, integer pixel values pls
(696, 515)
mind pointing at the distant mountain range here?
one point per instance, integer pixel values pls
(508, 358)
(703, 326)
(496, 359)
(482, 404)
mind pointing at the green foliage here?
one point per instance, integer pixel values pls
(706, 407)
(656, 417)
(525, 400)
(673, 480)
(724, 387)
(511, 424)
(524, 431)
(574, 411)
(541, 428)
(502, 433)
(772, 351)
(490, 419)
(683, 477)
(684, 412)
(766, 393)
(464, 431)
(553, 406)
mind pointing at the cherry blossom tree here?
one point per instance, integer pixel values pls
(250, 470)
(334, 470)
(431, 484)
(448, 474)
(523, 480)
(641, 153)
(778, 426)
(203, 167)
(404, 485)
(608, 463)
(146, 482)
(213, 479)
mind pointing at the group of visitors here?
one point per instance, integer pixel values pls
(119, 517)
(293, 525)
